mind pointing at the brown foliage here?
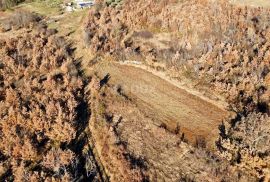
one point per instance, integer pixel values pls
(246, 144)
(226, 44)
(40, 93)
(103, 30)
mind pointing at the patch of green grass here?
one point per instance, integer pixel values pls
(46, 7)
(53, 25)
(65, 26)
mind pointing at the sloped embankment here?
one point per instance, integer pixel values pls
(131, 146)
(170, 106)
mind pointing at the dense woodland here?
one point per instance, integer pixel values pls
(42, 111)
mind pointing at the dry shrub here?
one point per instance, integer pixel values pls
(40, 110)
(103, 31)
(56, 159)
(246, 144)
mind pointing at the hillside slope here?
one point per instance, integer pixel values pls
(168, 105)
(216, 47)
(140, 90)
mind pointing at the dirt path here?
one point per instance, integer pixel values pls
(165, 102)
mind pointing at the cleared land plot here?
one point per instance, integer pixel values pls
(166, 103)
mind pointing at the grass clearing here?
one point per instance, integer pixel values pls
(46, 8)
(165, 102)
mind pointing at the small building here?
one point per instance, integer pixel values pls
(80, 4)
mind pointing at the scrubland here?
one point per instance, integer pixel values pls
(212, 45)
(42, 110)
(64, 116)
